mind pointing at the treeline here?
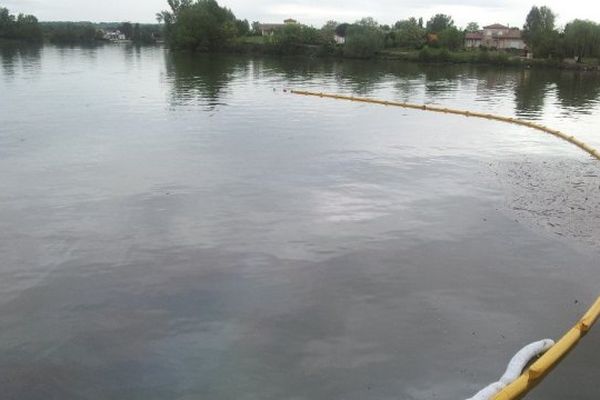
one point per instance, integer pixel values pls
(578, 39)
(19, 27)
(206, 26)
(71, 32)
(27, 28)
(200, 25)
(87, 32)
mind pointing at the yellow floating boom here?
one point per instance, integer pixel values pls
(544, 365)
(569, 138)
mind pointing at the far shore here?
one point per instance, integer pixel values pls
(423, 56)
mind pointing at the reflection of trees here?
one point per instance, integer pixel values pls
(9, 59)
(530, 92)
(201, 78)
(24, 56)
(491, 79)
(575, 90)
(578, 90)
(357, 76)
(441, 79)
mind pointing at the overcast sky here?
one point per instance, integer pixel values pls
(313, 12)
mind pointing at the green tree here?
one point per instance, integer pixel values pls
(200, 25)
(21, 27)
(243, 27)
(256, 28)
(582, 39)
(126, 28)
(170, 17)
(368, 22)
(409, 34)
(451, 38)
(539, 32)
(342, 29)
(7, 21)
(363, 39)
(328, 30)
(472, 27)
(69, 32)
(136, 34)
(439, 22)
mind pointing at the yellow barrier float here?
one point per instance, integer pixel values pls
(571, 139)
(544, 365)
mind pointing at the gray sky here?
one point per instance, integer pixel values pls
(313, 12)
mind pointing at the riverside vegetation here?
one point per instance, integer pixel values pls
(204, 25)
(27, 28)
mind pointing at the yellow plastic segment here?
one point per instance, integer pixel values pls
(426, 107)
(544, 365)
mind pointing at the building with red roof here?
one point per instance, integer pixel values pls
(496, 36)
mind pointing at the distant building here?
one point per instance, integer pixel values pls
(269, 29)
(114, 35)
(496, 36)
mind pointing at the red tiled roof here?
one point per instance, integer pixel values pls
(495, 26)
(474, 35)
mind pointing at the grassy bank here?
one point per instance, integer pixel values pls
(263, 45)
(500, 58)
(257, 45)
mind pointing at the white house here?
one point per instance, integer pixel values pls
(114, 35)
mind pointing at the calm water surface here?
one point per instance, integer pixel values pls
(178, 227)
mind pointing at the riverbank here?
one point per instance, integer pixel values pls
(499, 58)
(426, 55)
(256, 46)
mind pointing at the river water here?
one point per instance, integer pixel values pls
(177, 226)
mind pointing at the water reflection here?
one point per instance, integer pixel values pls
(204, 80)
(578, 91)
(575, 91)
(358, 77)
(26, 58)
(201, 80)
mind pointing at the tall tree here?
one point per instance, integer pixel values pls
(256, 28)
(21, 27)
(439, 22)
(7, 21)
(538, 31)
(126, 28)
(364, 39)
(243, 27)
(582, 39)
(472, 27)
(328, 31)
(451, 38)
(409, 34)
(199, 25)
